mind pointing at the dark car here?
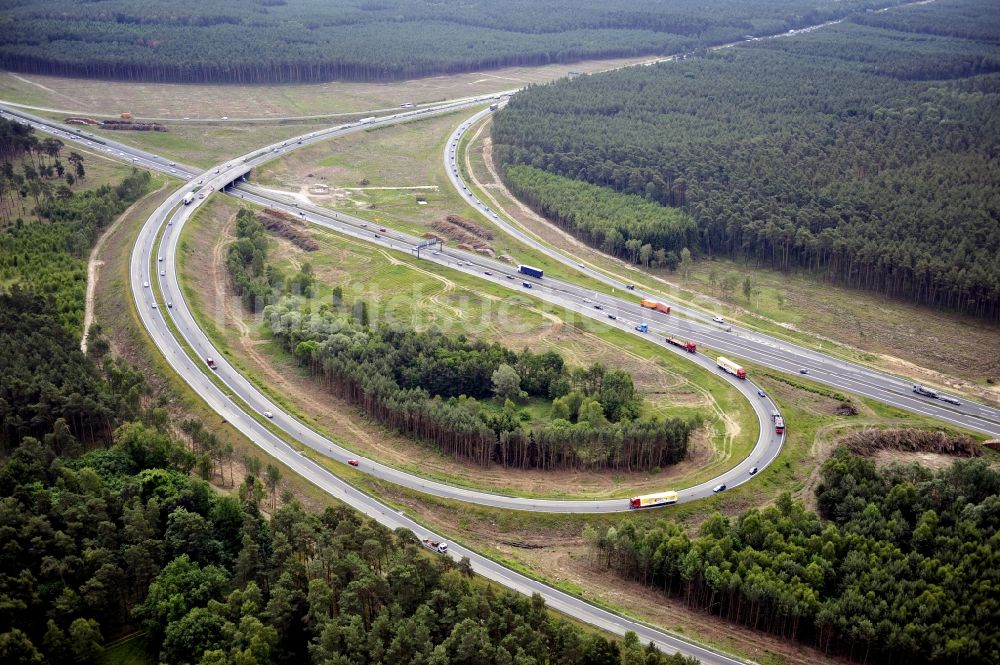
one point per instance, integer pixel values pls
(753, 471)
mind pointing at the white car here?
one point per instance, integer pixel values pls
(159, 258)
(719, 488)
(145, 285)
(718, 319)
(268, 414)
(163, 273)
(154, 305)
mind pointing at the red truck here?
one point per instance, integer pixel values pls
(690, 347)
(658, 306)
(779, 422)
(728, 365)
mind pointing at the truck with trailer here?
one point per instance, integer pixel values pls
(530, 271)
(652, 500)
(925, 391)
(438, 546)
(779, 422)
(688, 346)
(727, 365)
(658, 306)
(365, 121)
(188, 198)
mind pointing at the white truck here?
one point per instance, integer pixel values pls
(438, 546)
(188, 198)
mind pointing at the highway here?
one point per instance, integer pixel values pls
(741, 343)
(145, 266)
(170, 217)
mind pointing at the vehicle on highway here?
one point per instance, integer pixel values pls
(612, 316)
(760, 393)
(652, 500)
(642, 327)
(950, 400)
(159, 258)
(719, 488)
(526, 285)
(510, 277)
(753, 471)
(630, 287)
(718, 319)
(438, 546)
(163, 273)
(382, 230)
(924, 390)
(530, 271)
(598, 306)
(154, 306)
(487, 272)
(803, 371)
(688, 346)
(211, 363)
(268, 414)
(145, 285)
(170, 304)
(352, 462)
(658, 306)
(727, 365)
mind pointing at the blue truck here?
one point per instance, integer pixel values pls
(530, 271)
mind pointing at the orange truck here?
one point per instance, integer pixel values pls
(658, 306)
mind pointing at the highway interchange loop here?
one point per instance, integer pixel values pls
(236, 399)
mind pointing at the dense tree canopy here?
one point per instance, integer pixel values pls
(48, 254)
(903, 564)
(104, 531)
(429, 385)
(862, 153)
(231, 41)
